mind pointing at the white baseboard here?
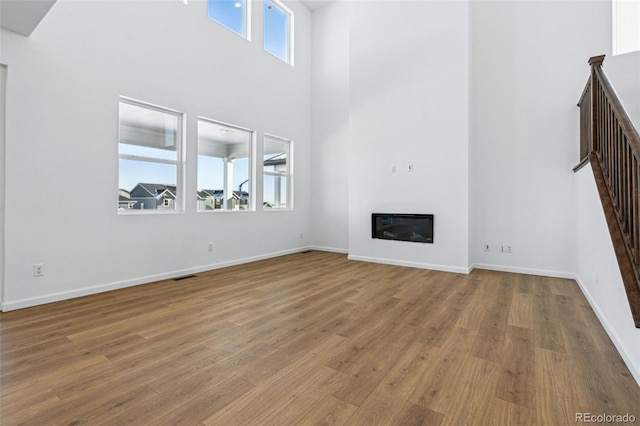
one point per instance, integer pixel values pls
(329, 249)
(525, 271)
(443, 268)
(86, 291)
(624, 352)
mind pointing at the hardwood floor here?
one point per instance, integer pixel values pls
(312, 338)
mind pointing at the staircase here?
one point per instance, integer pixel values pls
(610, 143)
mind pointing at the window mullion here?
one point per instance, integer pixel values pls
(148, 159)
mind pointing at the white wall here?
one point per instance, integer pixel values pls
(598, 272)
(624, 73)
(528, 69)
(330, 127)
(521, 134)
(61, 142)
(408, 105)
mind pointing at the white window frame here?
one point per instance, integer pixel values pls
(291, 30)
(178, 162)
(625, 16)
(251, 161)
(289, 172)
(246, 19)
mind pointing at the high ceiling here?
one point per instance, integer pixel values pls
(23, 16)
(315, 4)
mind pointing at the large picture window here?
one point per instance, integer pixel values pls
(150, 158)
(233, 14)
(277, 173)
(224, 166)
(278, 30)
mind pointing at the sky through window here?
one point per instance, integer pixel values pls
(230, 13)
(276, 30)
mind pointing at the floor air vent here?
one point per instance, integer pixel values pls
(186, 277)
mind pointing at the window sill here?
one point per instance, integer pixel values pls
(224, 211)
(148, 212)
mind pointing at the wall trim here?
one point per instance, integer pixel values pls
(462, 270)
(329, 249)
(617, 341)
(395, 262)
(117, 285)
(524, 271)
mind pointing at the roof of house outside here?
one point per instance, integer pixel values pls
(219, 193)
(155, 189)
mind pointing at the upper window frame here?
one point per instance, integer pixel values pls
(246, 34)
(290, 31)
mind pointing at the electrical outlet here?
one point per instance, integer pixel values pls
(487, 247)
(393, 169)
(410, 168)
(210, 247)
(38, 269)
(301, 235)
(506, 248)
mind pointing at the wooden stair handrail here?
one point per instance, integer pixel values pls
(610, 142)
(622, 115)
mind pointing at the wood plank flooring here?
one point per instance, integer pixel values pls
(313, 338)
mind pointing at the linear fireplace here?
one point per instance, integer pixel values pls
(417, 228)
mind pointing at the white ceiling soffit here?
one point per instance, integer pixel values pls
(315, 4)
(23, 16)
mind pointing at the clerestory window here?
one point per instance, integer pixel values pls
(278, 30)
(232, 14)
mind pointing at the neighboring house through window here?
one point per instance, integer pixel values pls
(150, 157)
(124, 200)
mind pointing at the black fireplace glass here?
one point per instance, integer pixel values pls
(417, 228)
